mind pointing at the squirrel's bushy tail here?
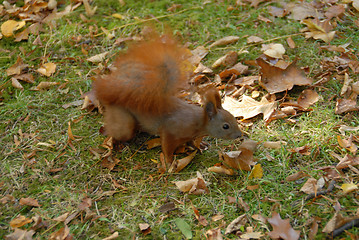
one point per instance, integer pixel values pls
(145, 78)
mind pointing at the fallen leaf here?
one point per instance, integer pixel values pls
(282, 228)
(229, 59)
(179, 164)
(193, 186)
(347, 161)
(109, 162)
(20, 221)
(44, 85)
(304, 10)
(29, 202)
(184, 227)
(217, 217)
(85, 203)
(304, 150)
(20, 234)
(236, 70)
(17, 67)
(347, 144)
(239, 160)
(47, 69)
(252, 235)
(254, 39)
(115, 235)
(236, 224)
(63, 233)
(15, 83)
(349, 187)
(145, 228)
(274, 145)
(167, 207)
(214, 234)
(273, 50)
(249, 107)
(10, 26)
(202, 220)
(345, 105)
(276, 80)
(257, 172)
(221, 169)
(295, 176)
(335, 11)
(307, 98)
(225, 41)
(290, 42)
(310, 186)
(319, 29)
(97, 58)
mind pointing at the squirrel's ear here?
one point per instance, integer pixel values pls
(210, 109)
(210, 94)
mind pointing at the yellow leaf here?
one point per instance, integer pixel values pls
(257, 172)
(117, 15)
(349, 187)
(8, 27)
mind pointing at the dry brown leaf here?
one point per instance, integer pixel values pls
(17, 68)
(276, 11)
(276, 80)
(97, 58)
(304, 10)
(29, 202)
(10, 26)
(145, 228)
(197, 55)
(62, 217)
(85, 203)
(347, 161)
(224, 41)
(235, 71)
(249, 107)
(254, 39)
(152, 143)
(335, 11)
(220, 168)
(19, 221)
(202, 220)
(282, 228)
(23, 35)
(179, 164)
(304, 150)
(47, 69)
(16, 84)
(115, 235)
(336, 221)
(307, 98)
(62, 233)
(193, 186)
(242, 159)
(295, 176)
(290, 42)
(20, 234)
(236, 224)
(345, 105)
(319, 29)
(214, 234)
(26, 77)
(44, 86)
(274, 145)
(228, 60)
(347, 144)
(109, 162)
(312, 185)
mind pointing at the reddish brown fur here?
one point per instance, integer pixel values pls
(146, 66)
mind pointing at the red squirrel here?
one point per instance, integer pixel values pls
(140, 94)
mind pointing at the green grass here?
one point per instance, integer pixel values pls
(39, 121)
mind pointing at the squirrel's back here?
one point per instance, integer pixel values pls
(145, 78)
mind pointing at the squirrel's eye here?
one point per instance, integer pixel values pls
(225, 126)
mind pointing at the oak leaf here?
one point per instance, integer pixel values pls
(275, 79)
(282, 228)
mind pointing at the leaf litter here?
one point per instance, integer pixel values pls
(272, 80)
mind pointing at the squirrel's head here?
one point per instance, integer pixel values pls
(221, 124)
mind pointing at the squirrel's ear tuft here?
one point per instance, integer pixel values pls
(210, 94)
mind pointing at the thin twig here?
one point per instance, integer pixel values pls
(148, 20)
(329, 189)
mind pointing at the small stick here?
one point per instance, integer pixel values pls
(329, 189)
(348, 225)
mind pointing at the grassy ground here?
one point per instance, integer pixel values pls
(37, 162)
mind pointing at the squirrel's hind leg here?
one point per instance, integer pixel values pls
(119, 123)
